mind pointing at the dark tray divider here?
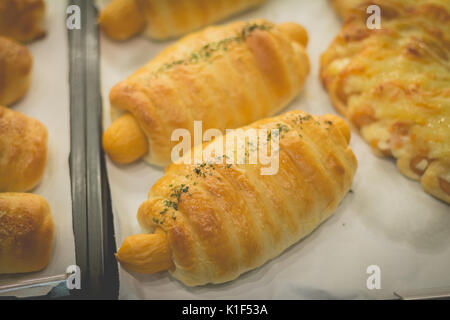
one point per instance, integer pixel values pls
(92, 214)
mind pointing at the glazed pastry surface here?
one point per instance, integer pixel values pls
(164, 19)
(212, 221)
(226, 76)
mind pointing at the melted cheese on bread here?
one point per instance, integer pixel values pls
(393, 84)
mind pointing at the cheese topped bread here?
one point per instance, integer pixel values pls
(393, 84)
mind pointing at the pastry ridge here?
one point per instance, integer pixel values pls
(172, 18)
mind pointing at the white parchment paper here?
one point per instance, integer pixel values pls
(48, 101)
(387, 221)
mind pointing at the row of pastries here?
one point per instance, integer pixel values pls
(202, 222)
(26, 223)
(210, 222)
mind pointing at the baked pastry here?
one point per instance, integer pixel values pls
(390, 8)
(22, 20)
(226, 76)
(393, 85)
(26, 233)
(211, 222)
(122, 19)
(163, 19)
(15, 71)
(23, 151)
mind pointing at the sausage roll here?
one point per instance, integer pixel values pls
(163, 19)
(212, 221)
(226, 76)
(15, 71)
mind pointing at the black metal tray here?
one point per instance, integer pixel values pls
(92, 218)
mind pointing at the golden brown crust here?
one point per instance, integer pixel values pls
(173, 18)
(223, 220)
(164, 19)
(225, 76)
(22, 20)
(146, 253)
(124, 141)
(23, 156)
(26, 233)
(15, 71)
(392, 84)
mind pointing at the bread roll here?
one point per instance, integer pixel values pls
(22, 20)
(226, 76)
(23, 151)
(163, 19)
(211, 222)
(392, 84)
(15, 71)
(26, 233)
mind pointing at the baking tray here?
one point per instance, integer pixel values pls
(78, 149)
(91, 200)
(388, 220)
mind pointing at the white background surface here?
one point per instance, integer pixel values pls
(48, 101)
(388, 220)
